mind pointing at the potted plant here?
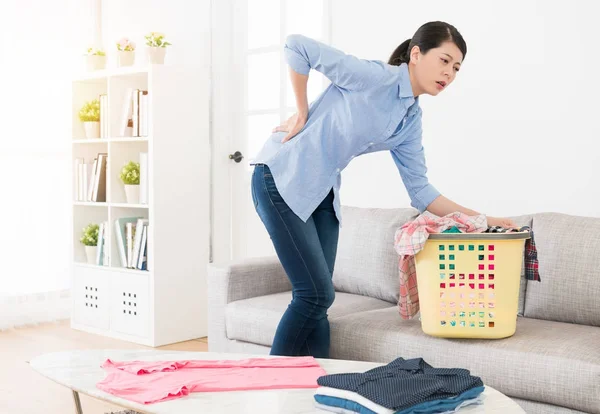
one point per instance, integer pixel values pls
(126, 52)
(95, 59)
(89, 239)
(130, 176)
(89, 114)
(157, 47)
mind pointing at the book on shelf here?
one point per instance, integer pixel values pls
(99, 193)
(143, 113)
(126, 113)
(90, 188)
(90, 178)
(132, 240)
(134, 113)
(137, 247)
(83, 170)
(142, 262)
(102, 249)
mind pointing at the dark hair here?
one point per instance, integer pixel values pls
(428, 36)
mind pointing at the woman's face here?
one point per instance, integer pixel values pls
(435, 70)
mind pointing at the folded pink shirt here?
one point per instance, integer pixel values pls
(147, 382)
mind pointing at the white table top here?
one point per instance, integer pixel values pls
(81, 371)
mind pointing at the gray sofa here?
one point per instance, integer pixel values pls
(551, 364)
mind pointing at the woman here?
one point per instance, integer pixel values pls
(369, 106)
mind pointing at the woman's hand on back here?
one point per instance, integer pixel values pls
(292, 126)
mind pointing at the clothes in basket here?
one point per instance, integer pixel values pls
(531, 258)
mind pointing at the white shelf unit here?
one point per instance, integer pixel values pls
(166, 303)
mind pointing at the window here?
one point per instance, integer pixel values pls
(34, 157)
(270, 98)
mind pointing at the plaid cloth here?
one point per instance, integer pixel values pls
(410, 240)
(531, 258)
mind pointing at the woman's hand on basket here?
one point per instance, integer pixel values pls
(502, 222)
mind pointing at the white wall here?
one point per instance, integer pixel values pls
(185, 23)
(526, 96)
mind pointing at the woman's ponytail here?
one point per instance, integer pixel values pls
(401, 54)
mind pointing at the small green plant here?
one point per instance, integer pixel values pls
(90, 235)
(156, 39)
(130, 173)
(95, 52)
(90, 112)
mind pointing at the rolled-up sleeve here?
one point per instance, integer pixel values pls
(409, 157)
(303, 54)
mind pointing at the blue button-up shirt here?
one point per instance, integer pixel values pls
(369, 106)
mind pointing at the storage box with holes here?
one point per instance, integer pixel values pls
(130, 308)
(469, 284)
(90, 298)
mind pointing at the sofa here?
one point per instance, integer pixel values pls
(551, 365)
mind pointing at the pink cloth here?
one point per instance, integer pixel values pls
(147, 382)
(410, 240)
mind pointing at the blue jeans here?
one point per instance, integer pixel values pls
(307, 252)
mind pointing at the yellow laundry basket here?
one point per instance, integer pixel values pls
(469, 284)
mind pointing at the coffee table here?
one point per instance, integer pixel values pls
(80, 371)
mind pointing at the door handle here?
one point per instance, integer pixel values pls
(236, 156)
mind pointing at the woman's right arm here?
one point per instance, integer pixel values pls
(293, 125)
(299, 84)
(346, 71)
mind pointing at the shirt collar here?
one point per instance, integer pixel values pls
(404, 87)
(405, 90)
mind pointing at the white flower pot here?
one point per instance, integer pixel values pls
(132, 193)
(90, 252)
(126, 58)
(92, 129)
(156, 55)
(95, 62)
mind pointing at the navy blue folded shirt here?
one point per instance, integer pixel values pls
(403, 383)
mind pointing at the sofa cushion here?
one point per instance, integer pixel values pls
(569, 256)
(544, 361)
(255, 320)
(366, 262)
(534, 407)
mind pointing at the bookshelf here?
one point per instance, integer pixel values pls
(166, 302)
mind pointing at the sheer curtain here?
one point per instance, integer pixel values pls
(41, 43)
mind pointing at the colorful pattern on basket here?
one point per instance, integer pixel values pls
(410, 240)
(531, 257)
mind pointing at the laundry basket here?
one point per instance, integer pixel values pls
(469, 284)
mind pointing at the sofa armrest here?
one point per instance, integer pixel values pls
(247, 278)
(233, 281)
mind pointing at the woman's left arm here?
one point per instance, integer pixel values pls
(409, 157)
(442, 206)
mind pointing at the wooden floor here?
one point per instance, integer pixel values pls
(24, 391)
